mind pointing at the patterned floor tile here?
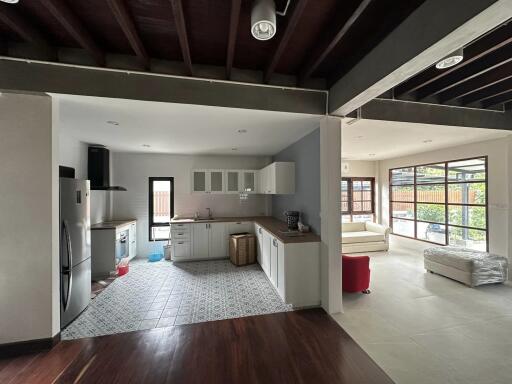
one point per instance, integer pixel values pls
(164, 294)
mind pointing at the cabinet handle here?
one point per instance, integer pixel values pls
(180, 234)
(180, 242)
(259, 230)
(274, 242)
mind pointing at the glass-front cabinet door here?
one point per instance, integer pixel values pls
(233, 181)
(199, 181)
(216, 181)
(249, 181)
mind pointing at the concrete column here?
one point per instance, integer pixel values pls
(29, 215)
(330, 205)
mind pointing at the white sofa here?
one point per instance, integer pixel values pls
(364, 237)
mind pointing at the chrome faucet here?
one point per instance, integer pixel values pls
(209, 213)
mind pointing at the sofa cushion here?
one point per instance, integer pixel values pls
(353, 227)
(361, 237)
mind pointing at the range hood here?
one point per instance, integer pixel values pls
(98, 169)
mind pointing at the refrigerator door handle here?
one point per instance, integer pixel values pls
(67, 270)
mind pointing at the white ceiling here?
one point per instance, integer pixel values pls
(180, 128)
(389, 139)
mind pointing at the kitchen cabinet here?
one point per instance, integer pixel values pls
(218, 241)
(266, 245)
(181, 241)
(232, 182)
(241, 181)
(132, 238)
(209, 241)
(208, 181)
(259, 241)
(277, 178)
(201, 241)
(292, 268)
(239, 227)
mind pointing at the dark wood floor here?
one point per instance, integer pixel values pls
(296, 347)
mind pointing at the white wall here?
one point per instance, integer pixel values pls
(359, 168)
(73, 153)
(132, 170)
(29, 284)
(499, 179)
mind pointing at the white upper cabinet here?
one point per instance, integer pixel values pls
(277, 179)
(233, 181)
(249, 181)
(216, 181)
(208, 181)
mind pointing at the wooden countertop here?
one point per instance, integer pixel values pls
(112, 224)
(271, 224)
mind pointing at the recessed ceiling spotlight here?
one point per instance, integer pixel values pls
(242, 131)
(263, 19)
(427, 141)
(146, 145)
(112, 122)
(359, 137)
(371, 154)
(234, 149)
(10, 1)
(451, 60)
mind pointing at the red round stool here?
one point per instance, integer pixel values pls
(356, 273)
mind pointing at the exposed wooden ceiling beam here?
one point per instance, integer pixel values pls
(488, 92)
(234, 20)
(475, 69)
(477, 83)
(484, 46)
(283, 42)
(127, 24)
(320, 55)
(181, 28)
(500, 99)
(65, 16)
(10, 17)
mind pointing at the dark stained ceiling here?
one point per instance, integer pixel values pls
(482, 80)
(317, 39)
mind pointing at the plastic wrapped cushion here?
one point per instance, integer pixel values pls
(485, 268)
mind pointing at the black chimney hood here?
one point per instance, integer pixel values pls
(98, 169)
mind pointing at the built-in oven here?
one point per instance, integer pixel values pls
(122, 245)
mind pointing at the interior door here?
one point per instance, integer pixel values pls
(200, 241)
(218, 243)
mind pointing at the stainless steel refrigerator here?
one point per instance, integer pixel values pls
(75, 248)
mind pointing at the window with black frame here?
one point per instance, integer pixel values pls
(161, 207)
(443, 203)
(357, 199)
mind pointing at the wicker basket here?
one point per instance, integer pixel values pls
(242, 249)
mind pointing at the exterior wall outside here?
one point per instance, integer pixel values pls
(305, 153)
(132, 170)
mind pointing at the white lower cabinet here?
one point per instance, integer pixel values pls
(239, 227)
(293, 269)
(200, 241)
(218, 241)
(209, 241)
(266, 245)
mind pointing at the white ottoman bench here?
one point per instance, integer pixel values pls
(468, 266)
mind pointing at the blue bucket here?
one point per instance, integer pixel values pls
(155, 257)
